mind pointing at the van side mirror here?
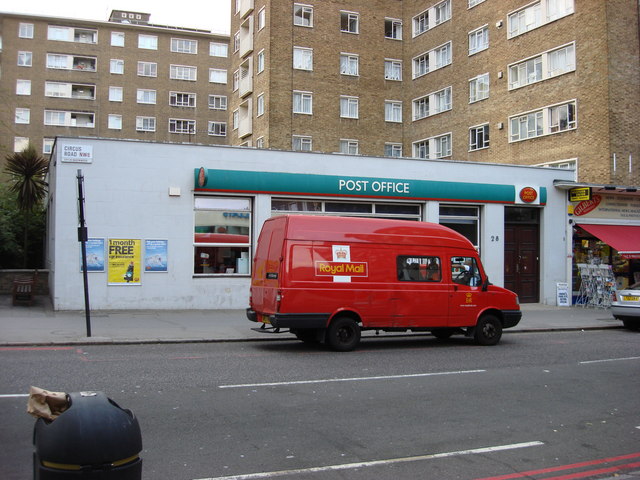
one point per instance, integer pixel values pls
(485, 284)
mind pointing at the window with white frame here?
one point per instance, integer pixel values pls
(146, 124)
(117, 39)
(115, 94)
(23, 87)
(432, 104)
(222, 235)
(431, 17)
(218, 102)
(217, 129)
(147, 69)
(218, 49)
(473, 3)
(218, 75)
(146, 96)
(432, 60)
(47, 145)
(349, 146)
(549, 64)
(183, 72)
(393, 150)
(181, 45)
(479, 137)
(69, 118)
(300, 143)
(260, 105)
(236, 42)
(25, 30)
(115, 122)
(182, 99)
(349, 22)
(479, 40)
(116, 66)
(20, 144)
(393, 28)
(348, 106)
(349, 64)
(71, 62)
(479, 88)
(302, 15)
(302, 58)
(262, 18)
(25, 59)
(236, 80)
(393, 111)
(545, 121)
(23, 115)
(148, 42)
(536, 15)
(260, 62)
(260, 142)
(72, 34)
(303, 102)
(180, 125)
(393, 69)
(433, 148)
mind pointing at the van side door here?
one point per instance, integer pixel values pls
(466, 298)
(420, 297)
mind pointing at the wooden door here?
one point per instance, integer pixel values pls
(522, 261)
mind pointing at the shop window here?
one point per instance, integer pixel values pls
(463, 219)
(222, 235)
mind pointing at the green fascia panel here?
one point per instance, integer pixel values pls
(333, 185)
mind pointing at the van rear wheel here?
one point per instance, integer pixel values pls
(488, 331)
(343, 334)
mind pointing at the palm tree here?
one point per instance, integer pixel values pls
(27, 171)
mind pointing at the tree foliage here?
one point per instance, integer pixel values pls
(22, 211)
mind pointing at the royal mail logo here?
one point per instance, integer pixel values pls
(350, 269)
(587, 206)
(528, 194)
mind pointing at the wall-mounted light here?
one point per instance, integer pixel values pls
(499, 24)
(174, 191)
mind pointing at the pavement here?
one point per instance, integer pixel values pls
(39, 324)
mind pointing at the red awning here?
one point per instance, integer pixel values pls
(624, 238)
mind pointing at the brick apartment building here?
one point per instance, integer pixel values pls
(124, 78)
(549, 82)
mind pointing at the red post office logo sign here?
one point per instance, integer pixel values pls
(351, 269)
(528, 195)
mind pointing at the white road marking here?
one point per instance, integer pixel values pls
(610, 360)
(353, 379)
(375, 463)
(14, 395)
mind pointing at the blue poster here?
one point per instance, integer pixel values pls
(156, 255)
(95, 255)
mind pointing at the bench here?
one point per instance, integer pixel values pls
(24, 287)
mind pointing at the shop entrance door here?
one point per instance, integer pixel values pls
(522, 255)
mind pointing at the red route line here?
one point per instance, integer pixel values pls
(7, 349)
(565, 467)
(596, 472)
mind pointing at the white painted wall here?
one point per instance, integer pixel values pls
(127, 196)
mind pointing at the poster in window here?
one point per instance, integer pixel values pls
(124, 261)
(95, 255)
(156, 253)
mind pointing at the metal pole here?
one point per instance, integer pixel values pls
(82, 238)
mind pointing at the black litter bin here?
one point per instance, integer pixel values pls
(93, 439)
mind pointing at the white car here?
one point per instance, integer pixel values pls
(626, 307)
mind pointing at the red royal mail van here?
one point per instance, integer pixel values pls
(329, 278)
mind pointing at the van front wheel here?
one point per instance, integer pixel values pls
(488, 331)
(343, 334)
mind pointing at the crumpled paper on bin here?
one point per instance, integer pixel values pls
(45, 404)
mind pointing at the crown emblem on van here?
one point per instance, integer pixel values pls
(341, 253)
